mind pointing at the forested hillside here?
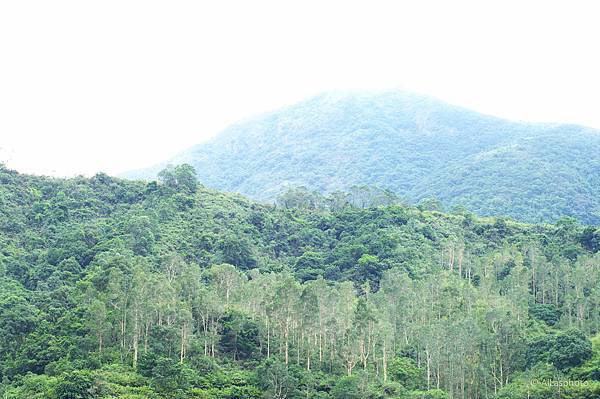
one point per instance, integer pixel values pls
(112, 288)
(415, 146)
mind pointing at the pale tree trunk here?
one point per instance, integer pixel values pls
(146, 334)
(183, 343)
(286, 344)
(384, 362)
(136, 336)
(268, 342)
(428, 359)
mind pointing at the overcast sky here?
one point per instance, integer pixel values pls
(114, 85)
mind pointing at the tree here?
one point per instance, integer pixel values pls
(369, 270)
(237, 251)
(431, 204)
(349, 387)
(97, 319)
(548, 313)
(569, 349)
(309, 265)
(141, 230)
(275, 378)
(590, 239)
(364, 330)
(226, 280)
(239, 336)
(168, 376)
(284, 308)
(179, 178)
(19, 317)
(300, 197)
(405, 371)
(75, 385)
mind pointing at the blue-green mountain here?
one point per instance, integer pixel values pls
(415, 146)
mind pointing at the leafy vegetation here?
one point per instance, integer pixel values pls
(414, 146)
(126, 289)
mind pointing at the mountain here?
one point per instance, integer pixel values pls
(413, 145)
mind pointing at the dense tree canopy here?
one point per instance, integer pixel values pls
(124, 289)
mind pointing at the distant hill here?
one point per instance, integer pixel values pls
(414, 145)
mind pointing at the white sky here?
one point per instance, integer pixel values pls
(115, 85)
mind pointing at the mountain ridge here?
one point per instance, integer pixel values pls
(414, 145)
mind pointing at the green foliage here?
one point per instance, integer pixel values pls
(179, 178)
(544, 381)
(405, 371)
(276, 380)
(590, 239)
(75, 385)
(32, 386)
(119, 289)
(589, 370)
(239, 336)
(571, 348)
(347, 388)
(236, 251)
(565, 349)
(546, 312)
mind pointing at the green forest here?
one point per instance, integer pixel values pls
(111, 288)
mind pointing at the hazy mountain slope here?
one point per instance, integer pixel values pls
(416, 146)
